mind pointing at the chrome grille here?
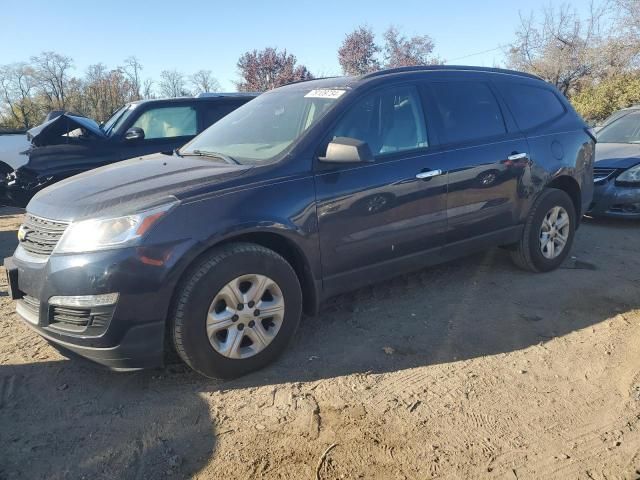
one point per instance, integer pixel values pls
(29, 309)
(31, 304)
(73, 316)
(40, 235)
(601, 174)
(88, 320)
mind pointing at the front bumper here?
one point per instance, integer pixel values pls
(127, 335)
(611, 200)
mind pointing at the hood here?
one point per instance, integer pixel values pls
(49, 132)
(617, 155)
(130, 186)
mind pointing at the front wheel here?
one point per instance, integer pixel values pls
(548, 233)
(236, 311)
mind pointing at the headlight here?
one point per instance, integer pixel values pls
(105, 233)
(631, 175)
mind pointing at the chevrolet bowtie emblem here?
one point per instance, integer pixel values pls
(22, 233)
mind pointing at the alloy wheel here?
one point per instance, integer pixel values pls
(554, 232)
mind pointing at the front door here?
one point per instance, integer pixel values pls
(371, 213)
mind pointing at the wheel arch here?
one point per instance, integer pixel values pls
(571, 187)
(292, 253)
(283, 246)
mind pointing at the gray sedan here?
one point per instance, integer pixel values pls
(617, 169)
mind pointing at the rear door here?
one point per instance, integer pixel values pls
(484, 153)
(556, 134)
(372, 213)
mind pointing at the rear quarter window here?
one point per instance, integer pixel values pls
(532, 106)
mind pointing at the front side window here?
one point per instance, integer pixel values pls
(389, 120)
(168, 122)
(468, 111)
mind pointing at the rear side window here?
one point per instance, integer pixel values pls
(468, 111)
(215, 111)
(532, 106)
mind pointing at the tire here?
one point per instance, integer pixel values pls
(193, 310)
(528, 252)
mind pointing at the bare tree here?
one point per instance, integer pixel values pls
(400, 51)
(131, 69)
(147, 88)
(52, 71)
(204, 81)
(358, 53)
(627, 26)
(29, 90)
(172, 84)
(269, 68)
(17, 87)
(568, 50)
(628, 16)
(105, 91)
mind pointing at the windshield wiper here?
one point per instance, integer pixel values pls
(203, 153)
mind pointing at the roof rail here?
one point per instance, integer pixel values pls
(226, 94)
(426, 68)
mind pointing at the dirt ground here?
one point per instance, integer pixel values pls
(472, 369)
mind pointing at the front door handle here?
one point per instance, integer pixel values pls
(429, 174)
(517, 156)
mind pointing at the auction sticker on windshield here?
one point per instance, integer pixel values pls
(325, 93)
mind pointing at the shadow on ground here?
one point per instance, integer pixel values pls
(473, 307)
(8, 243)
(10, 211)
(105, 425)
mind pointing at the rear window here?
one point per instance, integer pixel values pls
(532, 106)
(468, 111)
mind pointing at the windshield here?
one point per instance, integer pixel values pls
(613, 117)
(263, 128)
(622, 130)
(117, 118)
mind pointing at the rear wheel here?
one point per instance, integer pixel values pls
(548, 233)
(236, 311)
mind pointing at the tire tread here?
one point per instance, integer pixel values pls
(190, 282)
(521, 254)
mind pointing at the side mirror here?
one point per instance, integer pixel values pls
(134, 133)
(347, 150)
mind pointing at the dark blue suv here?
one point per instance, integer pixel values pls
(309, 190)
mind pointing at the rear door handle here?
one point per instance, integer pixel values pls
(429, 174)
(517, 156)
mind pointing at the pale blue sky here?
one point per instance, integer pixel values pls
(189, 35)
